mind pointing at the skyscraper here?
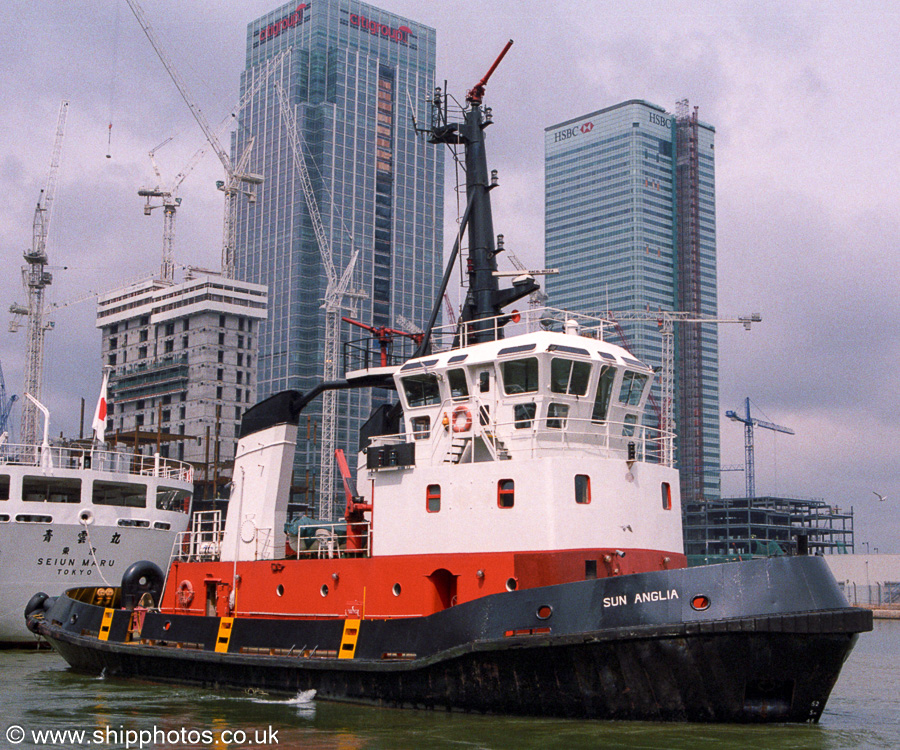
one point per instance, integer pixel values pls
(354, 76)
(630, 223)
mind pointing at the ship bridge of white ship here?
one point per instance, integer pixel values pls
(528, 395)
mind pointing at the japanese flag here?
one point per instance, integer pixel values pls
(99, 423)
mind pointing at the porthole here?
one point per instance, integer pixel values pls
(700, 602)
(511, 584)
(396, 589)
(74, 618)
(167, 624)
(324, 590)
(279, 589)
(544, 612)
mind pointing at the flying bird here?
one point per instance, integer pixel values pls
(627, 528)
(880, 496)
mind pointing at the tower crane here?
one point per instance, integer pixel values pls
(749, 423)
(666, 320)
(36, 278)
(169, 200)
(238, 181)
(337, 288)
(6, 404)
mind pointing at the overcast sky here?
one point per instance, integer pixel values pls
(804, 97)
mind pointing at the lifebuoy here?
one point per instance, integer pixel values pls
(185, 593)
(464, 424)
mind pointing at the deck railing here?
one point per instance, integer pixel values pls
(97, 460)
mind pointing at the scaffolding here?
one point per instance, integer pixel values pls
(689, 378)
(740, 528)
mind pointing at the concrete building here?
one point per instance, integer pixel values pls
(630, 224)
(182, 360)
(354, 76)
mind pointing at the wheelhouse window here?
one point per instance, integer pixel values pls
(604, 390)
(556, 416)
(523, 415)
(568, 376)
(47, 490)
(632, 388)
(506, 493)
(630, 424)
(421, 427)
(168, 498)
(120, 494)
(459, 388)
(582, 489)
(4, 486)
(520, 375)
(421, 389)
(433, 498)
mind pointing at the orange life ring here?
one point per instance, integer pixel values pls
(465, 424)
(185, 593)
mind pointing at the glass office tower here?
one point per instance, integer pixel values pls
(354, 75)
(630, 224)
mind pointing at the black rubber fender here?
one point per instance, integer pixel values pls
(36, 603)
(142, 577)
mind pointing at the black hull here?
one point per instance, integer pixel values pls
(763, 666)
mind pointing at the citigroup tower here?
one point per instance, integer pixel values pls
(353, 77)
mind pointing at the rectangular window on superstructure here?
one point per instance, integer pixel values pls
(4, 486)
(520, 375)
(568, 376)
(666, 496)
(421, 390)
(459, 388)
(51, 490)
(506, 493)
(433, 498)
(523, 415)
(421, 427)
(632, 388)
(168, 498)
(556, 416)
(582, 489)
(121, 494)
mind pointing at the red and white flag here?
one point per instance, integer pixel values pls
(99, 423)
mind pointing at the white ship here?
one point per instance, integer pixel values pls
(79, 517)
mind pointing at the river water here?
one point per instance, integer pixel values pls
(39, 694)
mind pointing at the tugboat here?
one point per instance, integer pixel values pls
(513, 544)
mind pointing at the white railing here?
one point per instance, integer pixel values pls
(97, 460)
(329, 540)
(542, 435)
(445, 338)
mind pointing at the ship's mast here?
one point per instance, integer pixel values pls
(485, 300)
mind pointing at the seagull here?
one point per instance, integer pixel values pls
(627, 528)
(880, 496)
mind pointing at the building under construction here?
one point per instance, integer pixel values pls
(741, 527)
(182, 359)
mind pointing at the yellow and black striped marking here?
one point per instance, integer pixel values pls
(349, 638)
(224, 636)
(106, 624)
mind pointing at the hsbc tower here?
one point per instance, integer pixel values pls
(630, 224)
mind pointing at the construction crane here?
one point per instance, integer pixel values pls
(36, 278)
(169, 201)
(666, 320)
(337, 288)
(238, 181)
(749, 423)
(6, 404)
